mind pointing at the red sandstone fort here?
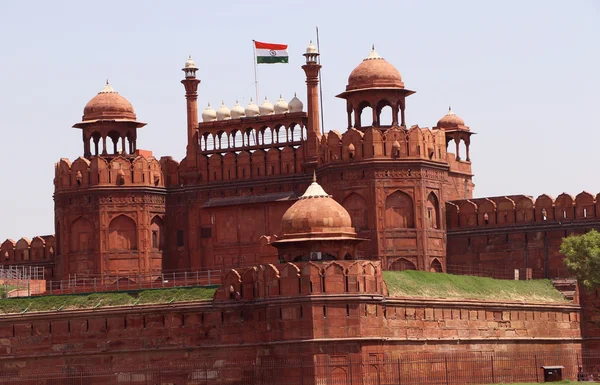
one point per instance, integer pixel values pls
(301, 223)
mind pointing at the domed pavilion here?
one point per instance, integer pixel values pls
(316, 228)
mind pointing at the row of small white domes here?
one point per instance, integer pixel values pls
(266, 108)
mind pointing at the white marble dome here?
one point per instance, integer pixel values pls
(281, 107)
(266, 108)
(223, 113)
(237, 111)
(252, 109)
(209, 114)
(295, 105)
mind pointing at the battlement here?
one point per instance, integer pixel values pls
(302, 278)
(521, 209)
(141, 170)
(25, 251)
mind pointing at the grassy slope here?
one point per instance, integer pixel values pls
(88, 301)
(437, 285)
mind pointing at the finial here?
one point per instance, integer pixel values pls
(265, 98)
(314, 176)
(373, 47)
(250, 100)
(294, 94)
(280, 96)
(189, 56)
(449, 108)
(222, 102)
(107, 81)
(209, 104)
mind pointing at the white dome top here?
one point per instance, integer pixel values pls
(190, 63)
(281, 107)
(295, 105)
(209, 114)
(266, 108)
(252, 109)
(223, 113)
(311, 48)
(237, 111)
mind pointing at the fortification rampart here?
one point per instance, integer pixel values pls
(514, 232)
(271, 313)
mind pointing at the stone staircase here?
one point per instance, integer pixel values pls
(567, 286)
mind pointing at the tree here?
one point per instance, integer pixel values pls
(583, 257)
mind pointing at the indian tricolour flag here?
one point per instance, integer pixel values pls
(267, 53)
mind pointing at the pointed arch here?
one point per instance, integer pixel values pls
(433, 211)
(122, 234)
(157, 235)
(401, 264)
(81, 235)
(436, 266)
(399, 211)
(356, 205)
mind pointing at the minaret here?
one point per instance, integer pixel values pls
(191, 95)
(311, 68)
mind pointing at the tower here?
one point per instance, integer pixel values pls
(311, 69)
(110, 203)
(191, 97)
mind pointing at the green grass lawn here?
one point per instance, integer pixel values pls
(437, 285)
(99, 300)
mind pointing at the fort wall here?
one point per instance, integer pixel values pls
(514, 232)
(310, 311)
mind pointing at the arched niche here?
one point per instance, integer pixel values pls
(157, 235)
(122, 234)
(399, 211)
(81, 235)
(402, 264)
(436, 266)
(433, 211)
(356, 206)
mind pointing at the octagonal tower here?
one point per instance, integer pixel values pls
(109, 203)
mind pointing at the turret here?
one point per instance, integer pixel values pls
(312, 68)
(191, 95)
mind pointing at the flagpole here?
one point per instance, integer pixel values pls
(255, 79)
(320, 85)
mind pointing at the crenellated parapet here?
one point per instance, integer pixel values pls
(142, 170)
(301, 279)
(521, 209)
(396, 143)
(40, 248)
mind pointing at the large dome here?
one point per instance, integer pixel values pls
(374, 72)
(316, 214)
(108, 104)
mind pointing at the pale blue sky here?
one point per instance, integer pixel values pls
(522, 74)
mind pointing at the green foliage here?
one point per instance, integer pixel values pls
(438, 285)
(98, 300)
(583, 257)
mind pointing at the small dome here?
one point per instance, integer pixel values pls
(316, 212)
(190, 63)
(223, 113)
(374, 72)
(252, 109)
(450, 120)
(295, 105)
(281, 107)
(209, 114)
(266, 108)
(237, 111)
(311, 48)
(108, 104)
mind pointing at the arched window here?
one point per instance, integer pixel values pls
(122, 234)
(366, 116)
(399, 211)
(433, 211)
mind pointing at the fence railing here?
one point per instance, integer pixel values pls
(105, 283)
(21, 272)
(430, 369)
